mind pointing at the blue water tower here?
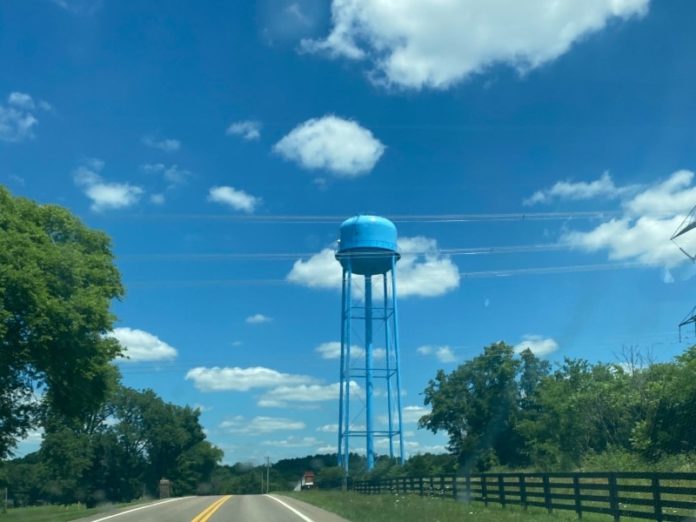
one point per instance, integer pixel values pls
(367, 247)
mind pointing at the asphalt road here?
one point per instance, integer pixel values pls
(234, 508)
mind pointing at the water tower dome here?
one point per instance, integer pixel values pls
(368, 244)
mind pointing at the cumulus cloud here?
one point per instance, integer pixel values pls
(143, 346)
(341, 147)
(248, 129)
(172, 174)
(80, 7)
(241, 379)
(642, 233)
(304, 393)
(332, 350)
(328, 428)
(166, 145)
(602, 187)
(18, 117)
(232, 197)
(412, 414)
(258, 319)
(104, 195)
(444, 354)
(415, 44)
(422, 271)
(292, 442)
(259, 425)
(539, 345)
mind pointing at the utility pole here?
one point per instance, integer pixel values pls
(262, 482)
(268, 473)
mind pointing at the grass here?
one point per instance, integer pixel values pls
(413, 508)
(55, 513)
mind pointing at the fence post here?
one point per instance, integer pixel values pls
(523, 491)
(420, 485)
(454, 487)
(501, 490)
(614, 497)
(576, 493)
(657, 498)
(468, 488)
(432, 485)
(547, 492)
(442, 484)
(484, 489)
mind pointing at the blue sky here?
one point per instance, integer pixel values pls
(193, 132)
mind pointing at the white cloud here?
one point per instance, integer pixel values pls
(172, 174)
(79, 7)
(237, 199)
(444, 354)
(104, 195)
(21, 101)
(422, 270)
(412, 414)
(340, 146)
(166, 145)
(643, 232)
(292, 442)
(241, 379)
(157, 199)
(248, 129)
(319, 271)
(332, 350)
(539, 345)
(415, 44)
(304, 393)
(143, 346)
(328, 428)
(326, 449)
(18, 118)
(602, 187)
(258, 319)
(259, 425)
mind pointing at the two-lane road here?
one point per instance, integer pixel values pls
(235, 508)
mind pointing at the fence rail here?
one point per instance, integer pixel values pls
(653, 496)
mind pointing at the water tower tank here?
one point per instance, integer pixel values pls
(367, 244)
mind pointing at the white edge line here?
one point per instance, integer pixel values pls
(303, 517)
(138, 509)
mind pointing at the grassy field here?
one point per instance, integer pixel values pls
(413, 508)
(54, 513)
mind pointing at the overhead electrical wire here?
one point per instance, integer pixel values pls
(563, 269)
(397, 218)
(283, 256)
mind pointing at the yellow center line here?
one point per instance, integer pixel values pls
(208, 512)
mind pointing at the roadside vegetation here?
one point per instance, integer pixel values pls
(55, 513)
(101, 441)
(412, 508)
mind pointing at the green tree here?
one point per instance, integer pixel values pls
(477, 405)
(57, 280)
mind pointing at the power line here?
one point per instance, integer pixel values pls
(464, 275)
(397, 218)
(284, 256)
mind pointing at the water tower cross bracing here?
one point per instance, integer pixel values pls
(368, 254)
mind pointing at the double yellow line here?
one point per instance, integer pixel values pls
(211, 509)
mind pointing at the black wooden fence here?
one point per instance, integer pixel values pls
(653, 496)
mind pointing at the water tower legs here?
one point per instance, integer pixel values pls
(386, 316)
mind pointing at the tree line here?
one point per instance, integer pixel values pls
(504, 409)
(101, 440)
